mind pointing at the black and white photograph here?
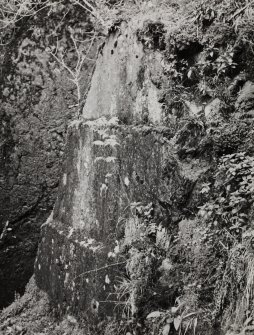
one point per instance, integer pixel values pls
(126, 167)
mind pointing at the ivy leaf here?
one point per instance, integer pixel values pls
(189, 74)
(107, 280)
(177, 322)
(126, 181)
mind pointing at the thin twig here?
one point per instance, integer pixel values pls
(99, 269)
(75, 75)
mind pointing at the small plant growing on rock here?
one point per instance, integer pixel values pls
(205, 15)
(224, 63)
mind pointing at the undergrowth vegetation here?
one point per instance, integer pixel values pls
(201, 276)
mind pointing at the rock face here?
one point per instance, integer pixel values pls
(111, 171)
(35, 119)
(108, 168)
(102, 179)
(122, 84)
(35, 109)
(156, 196)
(98, 186)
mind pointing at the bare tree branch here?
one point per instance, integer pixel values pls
(75, 73)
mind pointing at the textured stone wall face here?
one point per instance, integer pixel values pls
(124, 83)
(99, 185)
(36, 106)
(153, 221)
(109, 168)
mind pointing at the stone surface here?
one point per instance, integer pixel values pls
(76, 272)
(107, 170)
(123, 83)
(36, 99)
(109, 167)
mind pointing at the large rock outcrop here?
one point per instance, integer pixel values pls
(156, 198)
(119, 163)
